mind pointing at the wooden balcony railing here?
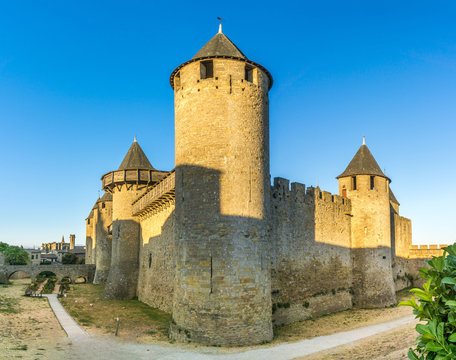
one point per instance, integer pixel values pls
(161, 193)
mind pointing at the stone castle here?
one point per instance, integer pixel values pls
(218, 247)
(54, 246)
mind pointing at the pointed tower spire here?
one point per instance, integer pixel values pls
(135, 158)
(363, 163)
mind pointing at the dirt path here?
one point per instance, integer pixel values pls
(392, 345)
(93, 347)
(28, 327)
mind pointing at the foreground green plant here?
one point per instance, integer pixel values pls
(437, 306)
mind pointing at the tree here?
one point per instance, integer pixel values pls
(3, 246)
(16, 256)
(437, 306)
(69, 258)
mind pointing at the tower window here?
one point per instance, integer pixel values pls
(354, 182)
(150, 260)
(103, 205)
(249, 73)
(372, 182)
(177, 80)
(207, 69)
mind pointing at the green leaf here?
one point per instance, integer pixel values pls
(452, 338)
(440, 331)
(437, 263)
(433, 346)
(411, 302)
(411, 355)
(448, 280)
(427, 285)
(423, 329)
(451, 249)
(421, 294)
(450, 303)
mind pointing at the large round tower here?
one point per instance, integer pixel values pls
(365, 184)
(126, 184)
(222, 294)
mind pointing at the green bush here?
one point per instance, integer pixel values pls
(48, 288)
(437, 306)
(69, 258)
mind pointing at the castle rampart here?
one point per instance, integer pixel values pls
(312, 270)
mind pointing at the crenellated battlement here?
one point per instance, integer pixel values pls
(426, 251)
(281, 191)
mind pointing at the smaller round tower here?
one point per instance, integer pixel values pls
(103, 247)
(134, 175)
(89, 258)
(365, 184)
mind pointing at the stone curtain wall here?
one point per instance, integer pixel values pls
(311, 264)
(156, 259)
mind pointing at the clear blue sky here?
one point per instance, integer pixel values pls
(78, 79)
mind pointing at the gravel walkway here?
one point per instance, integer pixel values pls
(92, 347)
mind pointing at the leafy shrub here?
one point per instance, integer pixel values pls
(436, 306)
(69, 258)
(48, 288)
(15, 255)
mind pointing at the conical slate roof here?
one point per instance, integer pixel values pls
(135, 159)
(106, 196)
(220, 45)
(363, 163)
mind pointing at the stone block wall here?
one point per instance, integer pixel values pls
(156, 259)
(311, 258)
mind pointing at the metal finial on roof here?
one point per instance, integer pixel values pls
(220, 25)
(135, 139)
(364, 140)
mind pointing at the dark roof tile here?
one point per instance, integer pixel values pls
(135, 159)
(363, 163)
(220, 45)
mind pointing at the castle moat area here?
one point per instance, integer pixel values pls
(29, 329)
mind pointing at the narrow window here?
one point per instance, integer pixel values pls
(249, 73)
(372, 183)
(88, 221)
(211, 275)
(32, 257)
(177, 81)
(354, 182)
(207, 69)
(103, 205)
(150, 260)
